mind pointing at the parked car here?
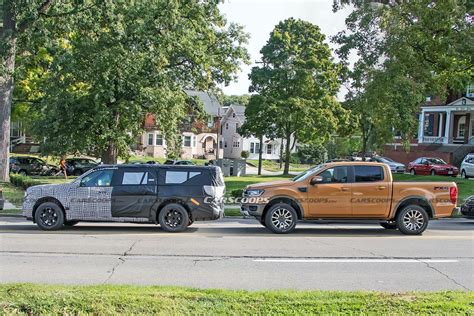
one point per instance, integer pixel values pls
(432, 166)
(179, 162)
(467, 166)
(395, 167)
(173, 196)
(467, 209)
(2, 200)
(26, 165)
(77, 166)
(349, 190)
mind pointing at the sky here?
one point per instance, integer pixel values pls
(259, 17)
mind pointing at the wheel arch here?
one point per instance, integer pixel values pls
(285, 199)
(157, 209)
(414, 200)
(44, 200)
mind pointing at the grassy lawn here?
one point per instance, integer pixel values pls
(12, 193)
(465, 187)
(235, 183)
(122, 299)
(275, 166)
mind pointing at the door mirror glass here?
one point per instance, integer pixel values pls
(316, 180)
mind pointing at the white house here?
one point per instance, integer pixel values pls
(233, 143)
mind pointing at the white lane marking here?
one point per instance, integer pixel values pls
(357, 260)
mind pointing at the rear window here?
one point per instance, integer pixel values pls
(368, 173)
(185, 176)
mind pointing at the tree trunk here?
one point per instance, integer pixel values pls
(287, 154)
(109, 156)
(260, 155)
(6, 88)
(364, 143)
(281, 153)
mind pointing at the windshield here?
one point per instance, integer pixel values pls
(385, 159)
(305, 174)
(435, 161)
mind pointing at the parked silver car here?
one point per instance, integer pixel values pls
(395, 167)
(467, 166)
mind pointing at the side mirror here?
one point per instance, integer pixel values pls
(316, 180)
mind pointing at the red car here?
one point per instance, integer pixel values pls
(432, 166)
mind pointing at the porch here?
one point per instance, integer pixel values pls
(447, 124)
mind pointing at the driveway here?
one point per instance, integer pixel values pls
(241, 254)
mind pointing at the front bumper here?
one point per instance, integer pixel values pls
(252, 209)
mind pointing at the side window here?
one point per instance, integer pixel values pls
(138, 178)
(178, 177)
(100, 178)
(368, 173)
(335, 175)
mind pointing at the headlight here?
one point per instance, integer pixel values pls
(251, 193)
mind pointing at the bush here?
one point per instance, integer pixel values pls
(244, 154)
(23, 182)
(237, 193)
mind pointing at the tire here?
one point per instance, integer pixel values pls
(77, 173)
(70, 223)
(412, 220)
(173, 218)
(413, 172)
(433, 172)
(49, 216)
(22, 173)
(464, 175)
(281, 218)
(389, 225)
(190, 222)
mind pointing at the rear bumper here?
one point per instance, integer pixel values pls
(446, 173)
(207, 211)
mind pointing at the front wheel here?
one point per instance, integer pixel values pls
(412, 172)
(281, 218)
(412, 220)
(173, 218)
(464, 175)
(49, 216)
(433, 173)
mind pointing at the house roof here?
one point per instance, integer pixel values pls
(239, 111)
(210, 103)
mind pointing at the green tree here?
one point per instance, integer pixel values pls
(298, 80)
(19, 19)
(227, 100)
(407, 50)
(118, 61)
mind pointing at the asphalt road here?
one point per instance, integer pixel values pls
(241, 254)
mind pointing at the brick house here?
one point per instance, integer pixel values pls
(199, 138)
(446, 130)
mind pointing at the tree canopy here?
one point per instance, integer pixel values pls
(119, 60)
(297, 84)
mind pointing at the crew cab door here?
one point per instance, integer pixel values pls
(371, 192)
(134, 192)
(423, 167)
(332, 196)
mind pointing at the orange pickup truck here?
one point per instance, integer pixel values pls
(349, 190)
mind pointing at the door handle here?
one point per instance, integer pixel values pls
(344, 189)
(381, 187)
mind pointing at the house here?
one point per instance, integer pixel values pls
(199, 138)
(446, 130)
(233, 143)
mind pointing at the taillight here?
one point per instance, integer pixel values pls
(453, 194)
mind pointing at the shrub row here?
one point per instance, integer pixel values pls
(24, 182)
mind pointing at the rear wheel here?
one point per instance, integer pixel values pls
(389, 225)
(433, 172)
(173, 218)
(412, 172)
(49, 216)
(464, 175)
(281, 218)
(412, 220)
(22, 173)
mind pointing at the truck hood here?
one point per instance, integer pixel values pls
(272, 184)
(47, 189)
